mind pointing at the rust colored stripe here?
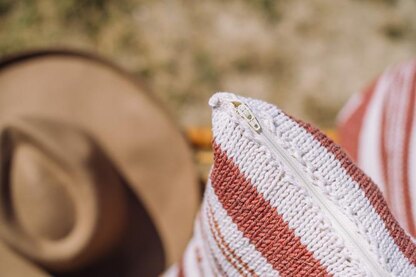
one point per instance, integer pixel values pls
(349, 132)
(260, 222)
(224, 252)
(227, 246)
(371, 191)
(216, 266)
(407, 200)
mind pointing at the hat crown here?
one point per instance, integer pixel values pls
(62, 203)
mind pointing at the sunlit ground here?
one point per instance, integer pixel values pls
(306, 56)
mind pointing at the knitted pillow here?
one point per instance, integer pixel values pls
(284, 200)
(378, 130)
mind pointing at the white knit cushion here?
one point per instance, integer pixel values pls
(297, 213)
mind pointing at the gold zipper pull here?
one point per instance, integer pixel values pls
(244, 112)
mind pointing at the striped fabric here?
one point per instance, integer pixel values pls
(257, 218)
(378, 129)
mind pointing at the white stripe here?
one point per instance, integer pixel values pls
(208, 262)
(412, 165)
(350, 194)
(291, 202)
(231, 260)
(392, 133)
(199, 241)
(236, 240)
(349, 108)
(227, 135)
(171, 272)
(212, 244)
(396, 111)
(397, 146)
(369, 157)
(410, 70)
(190, 265)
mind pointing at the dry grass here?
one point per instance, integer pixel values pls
(306, 56)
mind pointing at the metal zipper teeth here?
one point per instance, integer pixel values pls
(342, 224)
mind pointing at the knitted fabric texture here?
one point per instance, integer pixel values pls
(257, 218)
(378, 129)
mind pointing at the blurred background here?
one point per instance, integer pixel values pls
(306, 56)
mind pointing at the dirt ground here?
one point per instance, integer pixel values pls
(306, 56)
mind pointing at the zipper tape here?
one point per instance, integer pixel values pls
(343, 226)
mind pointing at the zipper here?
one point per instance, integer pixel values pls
(342, 224)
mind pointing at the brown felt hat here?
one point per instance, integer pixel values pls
(95, 177)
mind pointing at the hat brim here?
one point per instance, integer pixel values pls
(115, 110)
